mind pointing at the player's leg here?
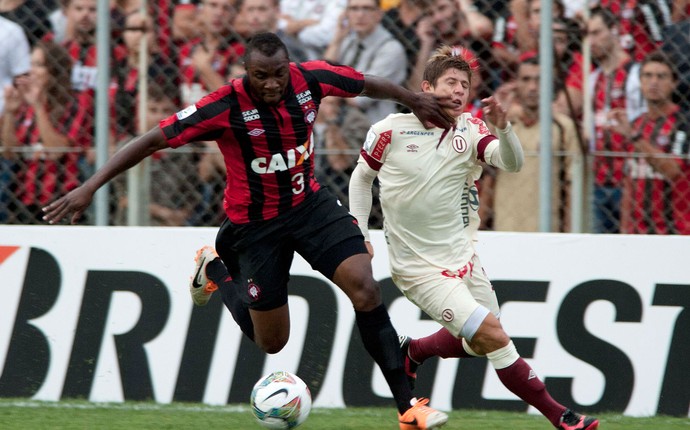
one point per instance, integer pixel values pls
(330, 241)
(474, 317)
(443, 343)
(253, 282)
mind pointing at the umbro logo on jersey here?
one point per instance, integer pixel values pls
(256, 132)
(412, 147)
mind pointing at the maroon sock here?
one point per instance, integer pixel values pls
(523, 382)
(440, 344)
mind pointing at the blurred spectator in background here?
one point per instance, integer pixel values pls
(31, 15)
(517, 34)
(212, 171)
(81, 42)
(161, 12)
(258, 16)
(676, 46)
(527, 14)
(339, 135)
(14, 62)
(43, 130)
(449, 25)
(14, 55)
(184, 27)
(58, 24)
(656, 197)
(615, 85)
(361, 42)
(125, 78)
(641, 23)
(515, 197)
(567, 47)
(406, 22)
(480, 25)
(205, 62)
(312, 22)
(175, 195)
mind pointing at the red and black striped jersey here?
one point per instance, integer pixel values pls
(46, 174)
(641, 23)
(616, 90)
(654, 204)
(268, 149)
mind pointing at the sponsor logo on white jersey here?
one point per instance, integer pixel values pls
(416, 133)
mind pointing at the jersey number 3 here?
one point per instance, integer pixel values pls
(298, 183)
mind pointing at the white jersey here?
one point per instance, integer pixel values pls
(427, 190)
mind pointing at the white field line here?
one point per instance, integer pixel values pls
(124, 406)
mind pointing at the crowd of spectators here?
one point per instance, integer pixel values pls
(49, 73)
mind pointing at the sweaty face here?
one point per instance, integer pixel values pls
(268, 75)
(452, 83)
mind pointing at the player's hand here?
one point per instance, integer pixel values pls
(75, 203)
(494, 112)
(433, 111)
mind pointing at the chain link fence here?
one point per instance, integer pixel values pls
(619, 148)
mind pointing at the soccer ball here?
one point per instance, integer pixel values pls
(281, 400)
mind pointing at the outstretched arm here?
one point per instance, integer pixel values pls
(77, 200)
(430, 109)
(360, 196)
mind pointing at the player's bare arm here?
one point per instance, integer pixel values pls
(76, 201)
(429, 108)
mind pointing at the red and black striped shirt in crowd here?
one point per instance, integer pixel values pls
(44, 174)
(641, 23)
(227, 54)
(611, 91)
(652, 203)
(268, 149)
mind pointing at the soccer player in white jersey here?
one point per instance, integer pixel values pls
(430, 204)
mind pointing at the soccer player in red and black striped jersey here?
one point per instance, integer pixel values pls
(656, 193)
(263, 124)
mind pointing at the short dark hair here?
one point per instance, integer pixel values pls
(444, 58)
(660, 57)
(266, 43)
(608, 17)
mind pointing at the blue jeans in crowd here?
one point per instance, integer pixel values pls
(606, 209)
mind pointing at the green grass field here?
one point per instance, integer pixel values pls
(26, 414)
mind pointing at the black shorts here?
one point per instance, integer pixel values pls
(259, 255)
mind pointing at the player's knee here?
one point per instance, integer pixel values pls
(271, 345)
(366, 296)
(489, 337)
